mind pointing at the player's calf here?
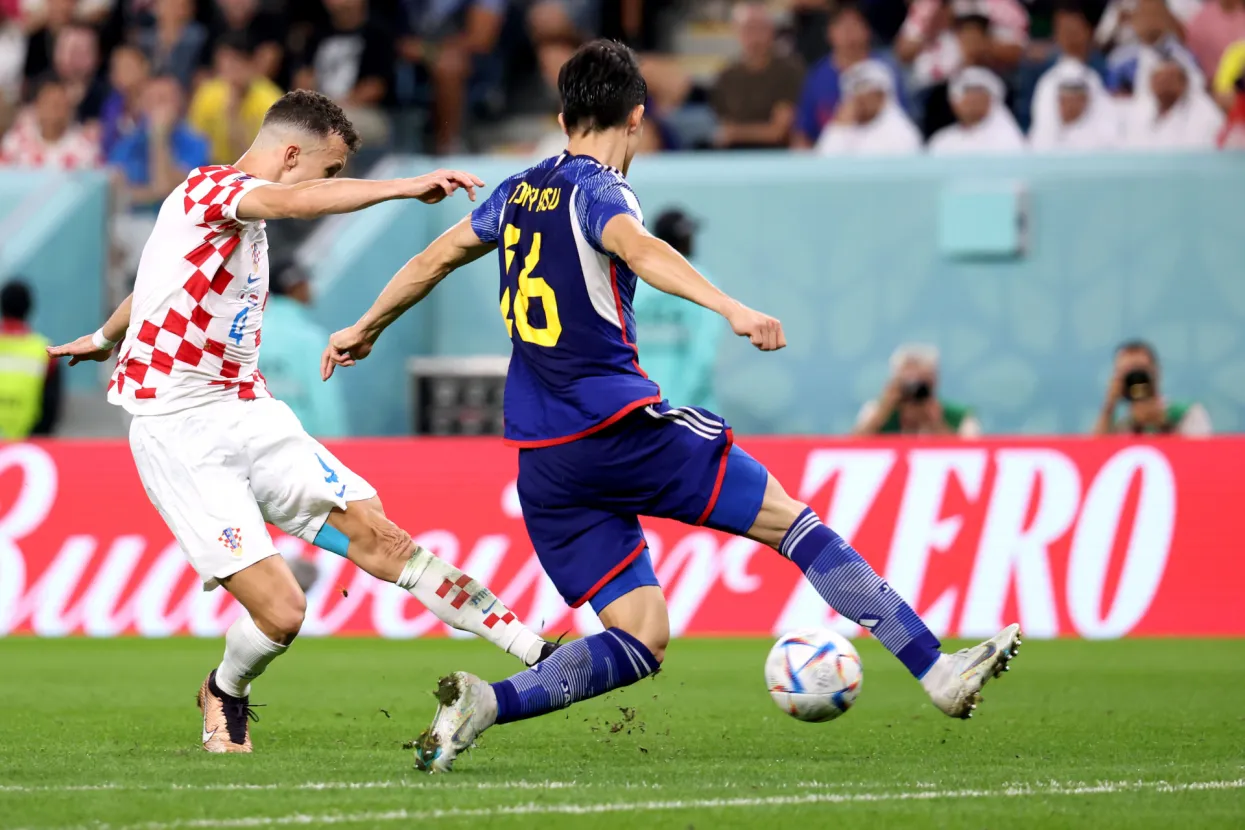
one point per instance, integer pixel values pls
(384, 550)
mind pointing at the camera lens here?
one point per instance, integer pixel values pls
(1138, 385)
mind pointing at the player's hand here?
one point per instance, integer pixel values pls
(763, 331)
(431, 188)
(346, 347)
(83, 348)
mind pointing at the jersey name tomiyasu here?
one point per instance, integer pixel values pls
(565, 301)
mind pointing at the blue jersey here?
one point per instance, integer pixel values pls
(566, 302)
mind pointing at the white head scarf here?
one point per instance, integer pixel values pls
(890, 133)
(1192, 124)
(996, 133)
(1098, 128)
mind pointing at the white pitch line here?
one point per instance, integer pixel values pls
(424, 783)
(1101, 788)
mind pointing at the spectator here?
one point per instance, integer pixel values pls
(229, 108)
(47, 136)
(1116, 25)
(1229, 74)
(90, 12)
(75, 61)
(551, 57)
(12, 57)
(984, 125)
(910, 403)
(1212, 30)
(350, 58)
(291, 334)
(754, 98)
(634, 22)
(1074, 38)
(162, 150)
(1178, 114)
(262, 32)
(971, 33)
(30, 385)
(1129, 66)
(1084, 117)
(680, 338)
(1135, 382)
(928, 42)
(41, 40)
(848, 34)
(128, 73)
(870, 121)
(176, 44)
(456, 44)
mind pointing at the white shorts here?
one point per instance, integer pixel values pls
(217, 473)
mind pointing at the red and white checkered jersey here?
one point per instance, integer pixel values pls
(198, 301)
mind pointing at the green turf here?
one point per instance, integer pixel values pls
(120, 714)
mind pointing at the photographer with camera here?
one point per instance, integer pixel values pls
(909, 403)
(1135, 382)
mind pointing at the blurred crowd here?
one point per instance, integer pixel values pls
(152, 88)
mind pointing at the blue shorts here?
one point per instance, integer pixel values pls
(582, 501)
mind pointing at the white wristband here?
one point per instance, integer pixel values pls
(102, 342)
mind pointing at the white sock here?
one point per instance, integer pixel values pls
(463, 603)
(247, 653)
(936, 674)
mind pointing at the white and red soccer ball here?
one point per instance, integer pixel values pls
(813, 674)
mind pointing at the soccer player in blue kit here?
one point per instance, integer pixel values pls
(599, 447)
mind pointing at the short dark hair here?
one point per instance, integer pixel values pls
(600, 85)
(1139, 346)
(971, 21)
(1076, 7)
(235, 42)
(15, 300)
(45, 81)
(314, 113)
(845, 9)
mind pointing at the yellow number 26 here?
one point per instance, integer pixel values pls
(529, 287)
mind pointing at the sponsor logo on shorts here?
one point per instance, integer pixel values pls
(231, 538)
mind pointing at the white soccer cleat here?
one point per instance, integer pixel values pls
(954, 682)
(467, 707)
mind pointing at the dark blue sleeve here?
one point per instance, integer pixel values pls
(486, 219)
(806, 114)
(600, 200)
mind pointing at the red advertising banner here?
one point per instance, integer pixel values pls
(1088, 538)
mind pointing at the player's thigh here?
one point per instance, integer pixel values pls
(643, 614)
(296, 480)
(270, 593)
(198, 483)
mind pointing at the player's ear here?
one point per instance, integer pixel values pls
(636, 120)
(291, 156)
(562, 123)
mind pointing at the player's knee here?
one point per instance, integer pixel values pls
(656, 642)
(778, 512)
(283, 619)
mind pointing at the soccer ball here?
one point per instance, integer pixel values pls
(813, 674)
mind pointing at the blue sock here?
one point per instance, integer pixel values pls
(576, 671)
(847, 583)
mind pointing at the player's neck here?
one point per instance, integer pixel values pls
(608, 147)
(254, 164)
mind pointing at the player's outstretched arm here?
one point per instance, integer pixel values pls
(97, 346)
(664, 268)
(451, 250)
(324, 197)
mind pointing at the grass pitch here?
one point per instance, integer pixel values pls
(1079, 734)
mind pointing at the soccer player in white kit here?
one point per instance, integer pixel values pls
(217, 455)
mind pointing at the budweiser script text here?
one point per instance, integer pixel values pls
(1071, 538)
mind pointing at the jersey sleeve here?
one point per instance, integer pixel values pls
(601, 202)
(486, 218)
(210, 195)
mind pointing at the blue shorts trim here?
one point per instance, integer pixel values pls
(638, 573)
